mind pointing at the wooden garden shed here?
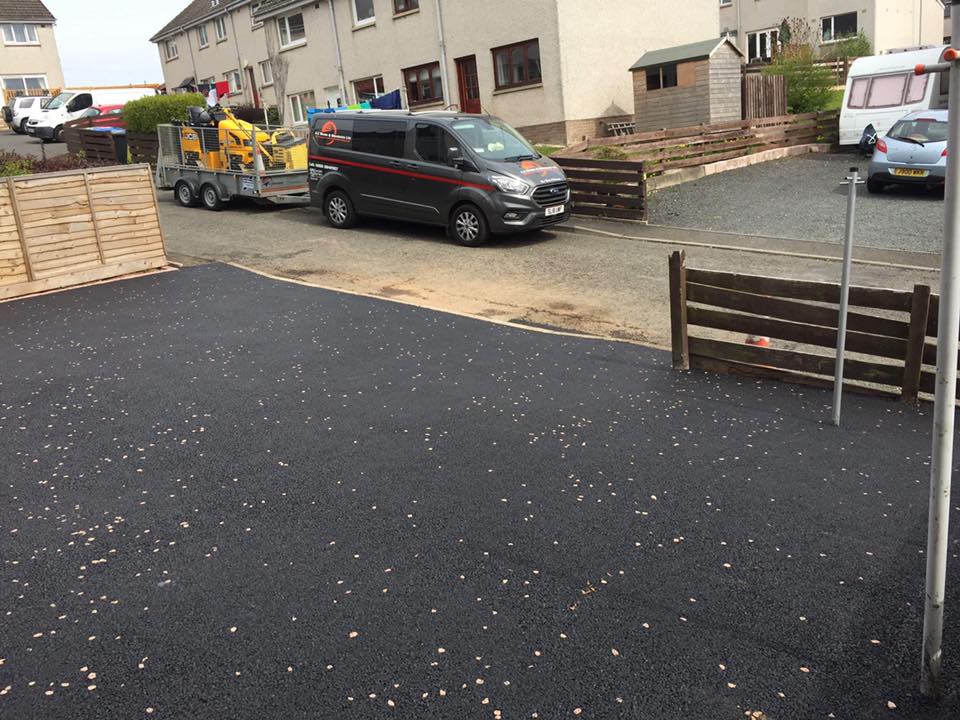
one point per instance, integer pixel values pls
(693, 84)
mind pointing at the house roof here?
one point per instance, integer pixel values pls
(266, 8)
(693, 51)
(192, 14)
(25, 11)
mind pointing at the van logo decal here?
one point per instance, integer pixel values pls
(327, 135)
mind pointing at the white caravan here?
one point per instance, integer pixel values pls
(70, 104)
(883, 88)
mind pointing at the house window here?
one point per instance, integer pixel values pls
(368, 88)
(266, 72)
(837, 27)
(379, 137)
(20, 34)
(762, 45)
(254, 9)
(170, 48)
(424, 84)
(363, 12)
(402, 6)
(517, 65)
(726, 3)
(662, 77)
(220, 28)
(208, 81)
(22, 83)
(236, 81)
(202, 40)
(299, 105)
(291, 30)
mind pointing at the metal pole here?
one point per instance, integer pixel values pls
(845, 293)
(336, 46)
(945, 404)
(444, 82)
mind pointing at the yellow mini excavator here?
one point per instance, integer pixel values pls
(215, 139)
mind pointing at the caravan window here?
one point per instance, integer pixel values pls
(858, 92)
(886, 91)
(916, 89)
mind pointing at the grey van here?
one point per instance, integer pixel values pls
(473, 174)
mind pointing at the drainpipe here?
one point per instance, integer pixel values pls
(193, 61)
(336, 47)
(743, 48)
(443, 57)
(240, 67)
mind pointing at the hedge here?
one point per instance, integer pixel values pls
(13, 164)
(143, 115)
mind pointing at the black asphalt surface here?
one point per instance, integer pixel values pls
(230, 497)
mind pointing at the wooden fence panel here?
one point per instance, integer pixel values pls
(607, 188)
(764, 96)
(889, 343)
(61, 229)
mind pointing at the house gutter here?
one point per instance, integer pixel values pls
(336, 47)
(444, 80)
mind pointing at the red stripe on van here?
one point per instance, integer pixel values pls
(396, 171)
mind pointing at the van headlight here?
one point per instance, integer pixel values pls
(510, 185)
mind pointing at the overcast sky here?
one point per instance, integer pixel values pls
(108, 42)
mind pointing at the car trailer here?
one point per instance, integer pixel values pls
(211, 166)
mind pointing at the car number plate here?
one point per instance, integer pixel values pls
(907, 172)
(555, 210)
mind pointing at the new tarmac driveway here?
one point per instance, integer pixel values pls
(226, 496)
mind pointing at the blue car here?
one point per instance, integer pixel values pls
(914, 152)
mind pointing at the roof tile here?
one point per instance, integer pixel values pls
(25, 11)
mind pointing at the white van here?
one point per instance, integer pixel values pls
(883, 88)
(71, 104)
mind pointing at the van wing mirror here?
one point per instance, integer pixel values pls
(459, 161)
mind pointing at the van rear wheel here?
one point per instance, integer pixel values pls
(468, 226)
(339, 210)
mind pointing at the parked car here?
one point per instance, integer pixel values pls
(21, 109)
(70, 104)
(105, 116)
(474, 174)
(914, 152)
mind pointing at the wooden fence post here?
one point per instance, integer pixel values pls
(642, 189)
(678, 311)
(913, 362)
(93, 215)
(24, 249)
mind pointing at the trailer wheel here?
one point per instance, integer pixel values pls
(185, 194)
(339, 210)
(210, 197)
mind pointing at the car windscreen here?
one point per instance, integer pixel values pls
(61, 99)
(924, 130)
(493, 139)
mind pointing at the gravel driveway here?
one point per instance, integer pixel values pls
(802, 198)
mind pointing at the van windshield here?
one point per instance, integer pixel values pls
(61, 99)
(920, 130)
(493, 139)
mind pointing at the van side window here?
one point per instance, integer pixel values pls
(433, 144)
(379, 137)
(81, 102)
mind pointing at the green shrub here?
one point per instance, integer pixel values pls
(143, 115)
(608, 152)
(852, 46)
(809, 86)
(13, 164)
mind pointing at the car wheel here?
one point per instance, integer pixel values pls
(468, 226)
(875, 186)
(58, 134)
(210, 197)
(185, 195)
(339, 210)
(18, 129)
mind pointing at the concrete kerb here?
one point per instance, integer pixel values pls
(684, 175)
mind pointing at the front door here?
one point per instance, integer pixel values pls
(469, 82)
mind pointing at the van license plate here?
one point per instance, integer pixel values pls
(907, 172)
(555, 210)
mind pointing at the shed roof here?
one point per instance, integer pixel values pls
(25, 11)
(679, 53)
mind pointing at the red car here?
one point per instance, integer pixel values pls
(102, 116)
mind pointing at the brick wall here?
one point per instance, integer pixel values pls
(571, 132)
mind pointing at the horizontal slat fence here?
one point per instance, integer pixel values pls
(62, 229)
(607, 188)
(675, 148)
(886, 330)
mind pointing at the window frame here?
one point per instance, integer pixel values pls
(773, 39)
(908, 81)
(283, 22)
(833, 27)
(661, 75)
(379, 88)
(398, 11)
(28, 28)
(300, 104)
(234, 88)
(726, 3)
(366, 22)
(167, 55)
(417, 68)
(23, 79)
(263, 75)
(218, 24)
(524, 45)
(204, 41)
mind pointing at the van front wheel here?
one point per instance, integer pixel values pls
(58, 134)
(339, 210)
(468, 226)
